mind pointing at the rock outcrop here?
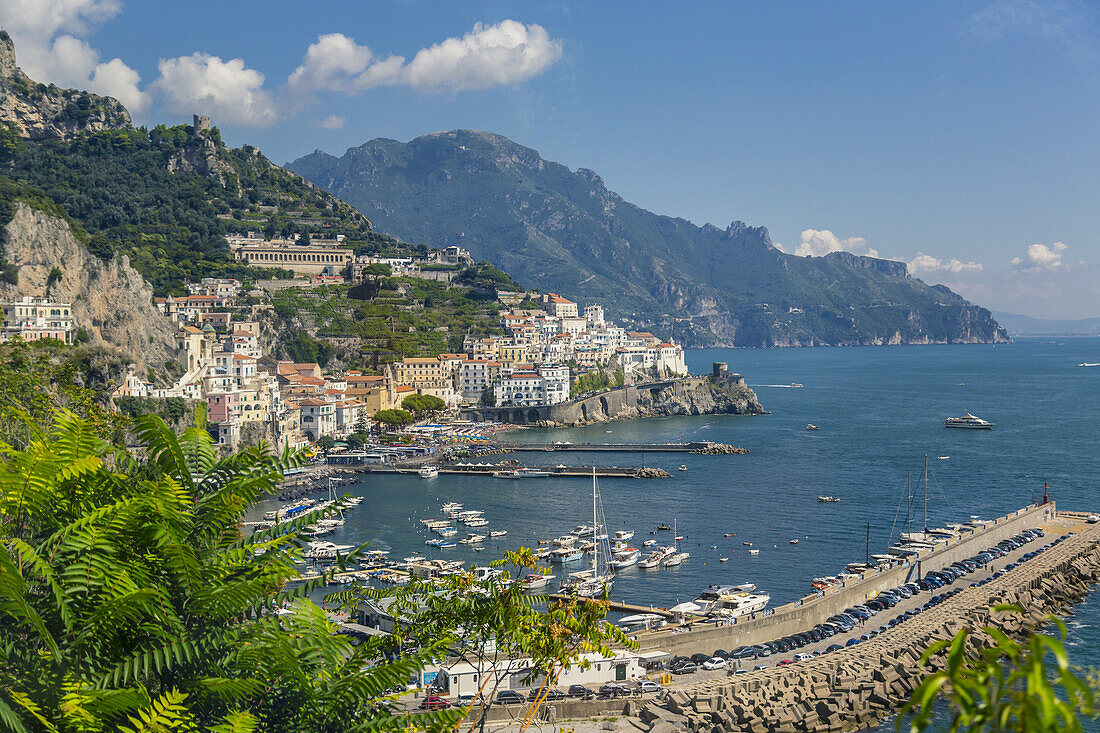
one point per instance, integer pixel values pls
(110, 299)
(41, 111)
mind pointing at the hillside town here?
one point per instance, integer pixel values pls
(548, 343)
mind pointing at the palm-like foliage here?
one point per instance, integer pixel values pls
(129, 599)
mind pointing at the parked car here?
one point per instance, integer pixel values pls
(687, 667)
(580, 691)
(435, 702)
(614, 689)
(743, 652)
(647, 686)
(700, 658)
(509, 697)
(470, 699)
(715, 663)
(802, 657)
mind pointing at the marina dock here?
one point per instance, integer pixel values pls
(553, 471)
(621, 607)
(698, 446)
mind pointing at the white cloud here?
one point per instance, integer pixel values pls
(226, 90)
(815, 243)
(489, 55)
(1041, 257)
(333, 122)
(928, 263)
(48, 51)
(1067, 24)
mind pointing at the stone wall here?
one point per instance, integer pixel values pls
(860, 685)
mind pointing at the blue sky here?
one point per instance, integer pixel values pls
(959, 137)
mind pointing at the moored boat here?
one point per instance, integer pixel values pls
(968, 422)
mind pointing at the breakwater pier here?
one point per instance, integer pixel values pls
(858, 685)
(549, 471)
(701, 447)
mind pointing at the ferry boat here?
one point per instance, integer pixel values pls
(625, 558)
(727, 601)
(969, 422)
(428, 472)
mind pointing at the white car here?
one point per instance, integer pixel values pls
(802, 657)
(714, 663)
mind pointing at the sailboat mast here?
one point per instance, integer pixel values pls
(908, 502)
(867, 545)
(926, 493)
(595, 529)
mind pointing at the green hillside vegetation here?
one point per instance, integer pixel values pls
(401, 317)
(565, 231)
(116, 188)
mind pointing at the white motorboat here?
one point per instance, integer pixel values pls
(625, 558)
(472, 539)
(676, 558)
(498, 533)
(536, 581)
(475, 522)
(623, 535)
(582, 530)
(565, 540)
(754, 552)
(968, 422)
(428, 471)
(445, 531)
(649, 543)
(652, 560)
(565, 554)
(726, 601)
(452, 506)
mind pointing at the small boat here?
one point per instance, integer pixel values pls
(441, 543)
(522, 473)
(651, 560)
(675, 559)
(683, 467)
(794, 542)
(747, 544)
(475, 522)
(472, 539)
(942, 458)
(811, 426)
(623, 535)
(536, 581)
(727, 534)
(649, 543)
(565, 554)
(625, 558)
(795, 385)
(663, 527)
(446, 531)
(723, 559)
(828, 499)
(754, 552)
(452, 506)
(498, 533)
(968, 422)
(428, 472)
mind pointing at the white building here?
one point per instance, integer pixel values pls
(318, 418)
(593, 314)
(464, 678)
(37, 318)
(474, 375)
(548, 385)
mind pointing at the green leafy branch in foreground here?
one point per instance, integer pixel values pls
(1009, 687)
(130, 601)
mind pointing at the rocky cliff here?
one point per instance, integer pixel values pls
(43, 111)
(110, 299)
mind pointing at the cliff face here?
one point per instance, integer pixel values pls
(41, 111)
(110, 299)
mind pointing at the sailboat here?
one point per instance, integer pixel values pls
(592, 582)
(677, 557)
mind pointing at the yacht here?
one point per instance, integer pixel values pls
(676, 558)
(472, 539)
(969, 422)
(625, 558)
(623, 535)
(565, 554)
(428, 472)
(727, 601)
(582, 530)
(498, 533)
(565, 540)
(475, 522)
(536, 581)
(452, 506)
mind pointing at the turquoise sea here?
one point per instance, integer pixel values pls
(880, 411)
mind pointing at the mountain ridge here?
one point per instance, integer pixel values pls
(565, 231)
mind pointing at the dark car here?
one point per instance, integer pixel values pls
(722, 653)
(688, 667)
(509, 697)
(613, 689)
(743, 652)
(580, 691)
(833, 647)
(550, 694)
(699, 658)
(763, 650)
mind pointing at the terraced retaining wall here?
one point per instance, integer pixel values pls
(812, 610)
(859, 685)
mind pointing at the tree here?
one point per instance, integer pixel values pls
(393, 418)
(488, 397)
(1009, 687)
(421, 404)
(325, 442)
(128, 598)
(303, 239)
